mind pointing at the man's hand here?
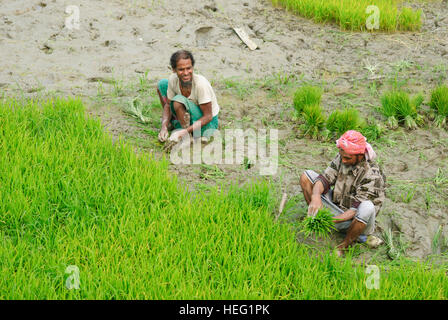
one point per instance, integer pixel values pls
(177, 135)
(315, 205)
(163, 134)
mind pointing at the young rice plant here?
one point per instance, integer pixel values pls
(372, 132)
(353, 14)
(439, 104)
(398, 107)
(306, 96)
(314, 120)
(320, 225)
(340, 121)
(71, 196)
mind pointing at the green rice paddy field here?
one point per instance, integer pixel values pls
(351, 14)
(72, 196)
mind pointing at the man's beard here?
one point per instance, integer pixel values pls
(186, 84)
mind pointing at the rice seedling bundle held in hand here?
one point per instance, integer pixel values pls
(320, 225)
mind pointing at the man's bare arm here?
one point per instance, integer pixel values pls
(318, 189)
(316, 201)
(166, 116)
(347, 215)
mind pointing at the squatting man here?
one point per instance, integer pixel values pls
(352, 186)
(358, 189)
(188, 100)
(190, 106)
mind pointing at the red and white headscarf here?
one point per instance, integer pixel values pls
(353, 142)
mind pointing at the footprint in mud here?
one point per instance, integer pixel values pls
(94, 32)
(211, 5)
(404, 166)
(203, 36)
(398, 166)
(136, 32)
(47, 49)
(111, 44)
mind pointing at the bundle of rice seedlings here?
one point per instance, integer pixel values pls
(394, 251)
(439, 105)
(398, 108)
(372, 131)
(332, 121)
(389, 111)
(341, 121)
(418, 100)
(305, 96)
(314, 120)
(135, 108)
(320, 225)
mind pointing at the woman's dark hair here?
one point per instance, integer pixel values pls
(181, 54)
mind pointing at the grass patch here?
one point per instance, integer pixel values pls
(71, 196)
(242, 89)
(354, 14)
(279, 84)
